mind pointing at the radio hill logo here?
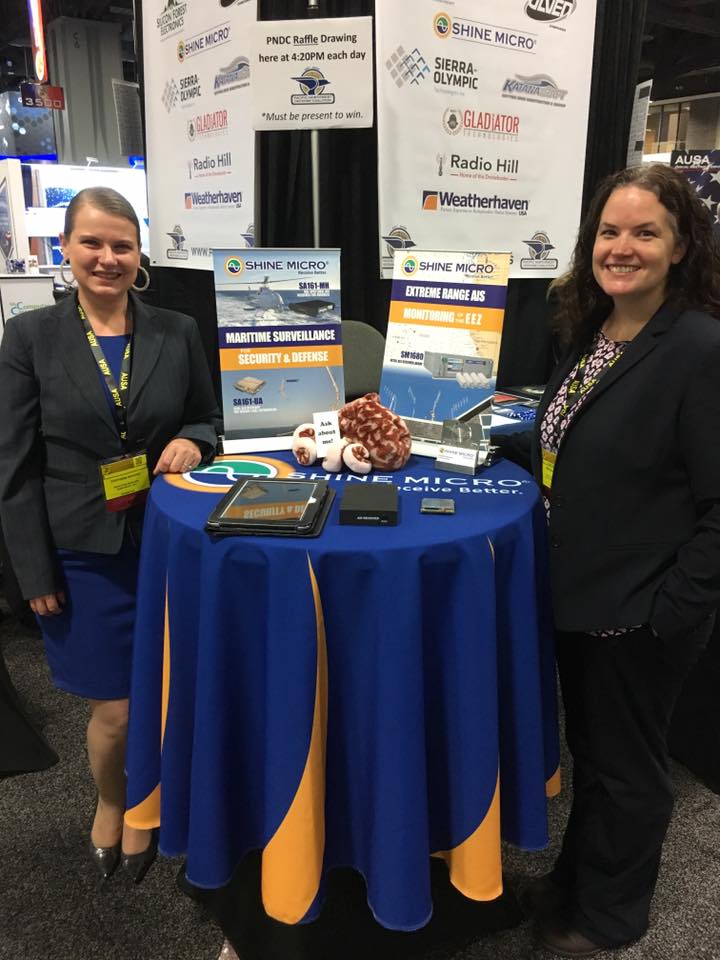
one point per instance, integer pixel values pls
(405, 68)
(481, 123)
(430, 200)
(538, 247)
(235, 75)
(210, 166)
(488, 34)
(312, 83)
(539, 88)
(177, 251)
(171, 19)
(442, 25)
(234, 266)
(409, 266)
(549, 11)
(170, 95)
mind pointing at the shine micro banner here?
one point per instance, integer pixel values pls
(482, 121)
(280, 342)
(444, 332)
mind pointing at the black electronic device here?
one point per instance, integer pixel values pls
(272, 507)
(372, 505)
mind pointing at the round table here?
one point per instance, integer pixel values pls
(367, 698)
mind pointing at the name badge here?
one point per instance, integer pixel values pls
(548, 468)
(125, 480)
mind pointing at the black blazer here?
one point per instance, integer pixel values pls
(56, 424)
(635, 508)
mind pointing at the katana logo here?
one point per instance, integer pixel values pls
(312, 83)
(409, 266)
(539, 88)
(170, 95)
(235, 75)
(442, 25)
(177, 251)
(549, 11)
(405, 68)
(539, 247)
(234, 266)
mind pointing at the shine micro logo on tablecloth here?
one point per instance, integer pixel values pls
(224, 471)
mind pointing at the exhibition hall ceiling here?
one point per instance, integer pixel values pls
(681, 42)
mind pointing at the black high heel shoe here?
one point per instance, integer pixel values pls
(138, 864)
(105, 859)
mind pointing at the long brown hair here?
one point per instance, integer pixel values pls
(582, 306)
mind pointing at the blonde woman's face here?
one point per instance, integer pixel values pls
(103, 252)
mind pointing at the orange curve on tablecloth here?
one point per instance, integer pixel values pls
(292, 860)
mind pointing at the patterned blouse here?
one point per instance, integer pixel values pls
(602, 355)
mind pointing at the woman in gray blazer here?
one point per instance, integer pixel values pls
(97, 393)
(626, 451)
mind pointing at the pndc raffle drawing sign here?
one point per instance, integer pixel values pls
(312, 73)
(482, 122)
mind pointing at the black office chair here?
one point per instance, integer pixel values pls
(363, 350)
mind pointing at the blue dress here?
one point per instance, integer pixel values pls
(89, 644)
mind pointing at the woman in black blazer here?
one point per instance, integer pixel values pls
(626, 451)
(97, 394)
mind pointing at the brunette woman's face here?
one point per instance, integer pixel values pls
(635, 246)
(103, 252)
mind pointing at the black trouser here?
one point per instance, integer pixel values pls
(618, 694)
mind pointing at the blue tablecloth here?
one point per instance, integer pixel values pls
(366, 699)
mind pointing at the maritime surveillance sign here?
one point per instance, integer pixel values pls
(280, 342)
(312, 74)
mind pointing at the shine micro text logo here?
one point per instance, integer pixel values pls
(488, 34)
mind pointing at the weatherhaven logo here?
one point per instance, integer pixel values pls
(214, 199)
(488, 34)
(462, 202)
(200, 42)
(171, 19)
(235, 75)
(539, 247)
(481, 123)
(210, 165)
(211, 124)
(549, 11)
(539, 88)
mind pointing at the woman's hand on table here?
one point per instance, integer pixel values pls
(179, 456)
(48, 605)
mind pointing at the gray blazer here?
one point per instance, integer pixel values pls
(56, 425)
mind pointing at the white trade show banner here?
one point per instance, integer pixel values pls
(312, 74)
(482, 122)
(200, 142)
